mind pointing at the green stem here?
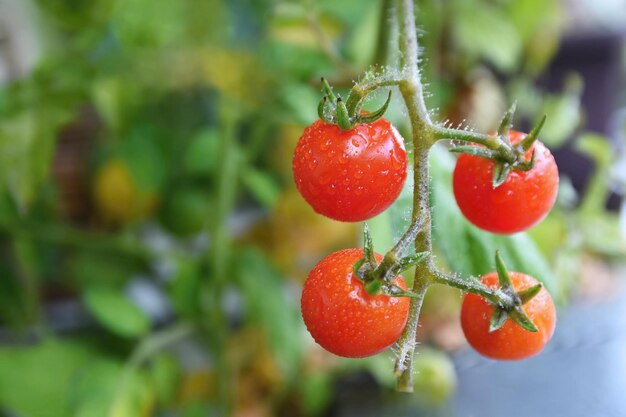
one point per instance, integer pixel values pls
(407, 341)
(387, 26)
(360, 90)
(489, 141)
(423, 139)
(215, 326)
(61, 235)
(472, 285)
(146, 349)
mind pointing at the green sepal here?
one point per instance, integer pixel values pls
(357, 268)
(343, 118)
(373, 287)
(475, 151)
(507, 122)
(503, 275)
(519, 316)
(373, 116)
(501, 171)
(328, 90)
(529, 293)
(368, 247)
(395, 291)
(403, 264)
(528, 141)
(320, 110)
(498, 319)
(411, 260)
(526, 165)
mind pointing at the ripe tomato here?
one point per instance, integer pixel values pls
(342, 317)
(350, 175)
(522, 201)
(511, 341)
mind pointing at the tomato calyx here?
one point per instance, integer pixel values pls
(507, 156)
(347, 114)
(378, 278)
(511, 304)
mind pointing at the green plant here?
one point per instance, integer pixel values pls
(377, 276)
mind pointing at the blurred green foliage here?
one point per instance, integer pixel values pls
(152, 143)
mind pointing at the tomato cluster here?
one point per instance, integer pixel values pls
(353, 175)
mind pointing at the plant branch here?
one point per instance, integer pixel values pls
(490, 141)
(472, 285)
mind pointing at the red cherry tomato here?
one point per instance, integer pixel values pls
(350, 175)
(521, 202)
(342, 317)
(511, 341)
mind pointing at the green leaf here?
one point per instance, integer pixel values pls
(300, 101)
(316, 392)
(27, 142)
(268, 307)
(563, 113)
(261, 185)
(164, 373)
(185, 286)
(35, 380)
(142, 23)
(116, 312)
(485, 33)
(540, 31)
(361, 43)
(601, 152)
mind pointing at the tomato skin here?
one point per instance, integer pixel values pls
(350, 175)
(342, 317)
(511, 341)
(522, 201)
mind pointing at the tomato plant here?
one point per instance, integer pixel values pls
(511, 341)
(350, 175)
(520, 202)
(351, 165)
(342, 317)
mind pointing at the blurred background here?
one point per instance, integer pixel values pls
(153, 245)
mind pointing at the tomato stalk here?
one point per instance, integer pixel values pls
(424, 134)
(508, 155)
(214, 322)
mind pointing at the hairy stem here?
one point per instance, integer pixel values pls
(471, 285)
(489, 141)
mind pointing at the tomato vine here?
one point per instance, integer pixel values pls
(507, 159)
